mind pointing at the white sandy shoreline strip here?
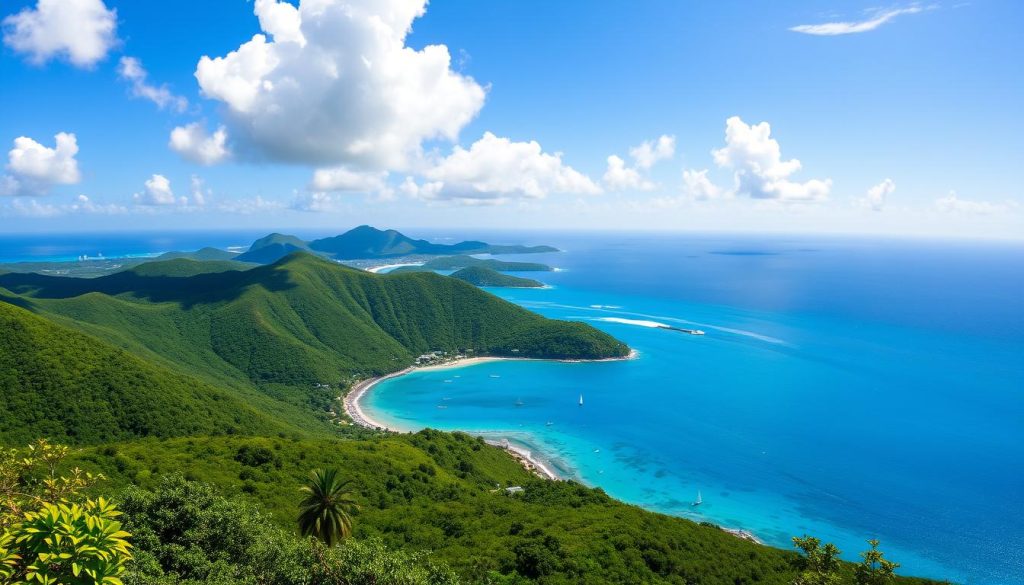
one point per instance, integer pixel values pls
(526, 458)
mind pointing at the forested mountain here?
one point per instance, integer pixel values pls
(480, 276)
(302, 320)
(59, 383)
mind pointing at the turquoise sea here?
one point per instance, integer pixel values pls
(845, 388)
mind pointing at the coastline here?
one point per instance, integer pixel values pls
(526, 457)
(353, 408)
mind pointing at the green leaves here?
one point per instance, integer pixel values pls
(324, 512)
(875, 569)
(52, 535)
(821, 562)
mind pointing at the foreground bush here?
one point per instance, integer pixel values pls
(49, 532)
(185, 532)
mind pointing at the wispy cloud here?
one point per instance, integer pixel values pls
(854, 27)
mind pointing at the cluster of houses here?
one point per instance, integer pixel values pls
(436, 357)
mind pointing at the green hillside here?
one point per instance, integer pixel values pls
(271, 248)
(275, 239)
(480, 276)
(181, 267)
(58, 383)
(207, 253)
(462, 261)
(303, 321)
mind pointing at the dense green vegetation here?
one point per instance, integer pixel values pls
(302, 321)
(480, 276)
(187, 533)
(429, 491)
(186, 267)
(272, 248)
(200, 254)
(59, 383)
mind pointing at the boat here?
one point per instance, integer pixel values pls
(519, 402)
(698, 501)
(549, 423)
(581, 400)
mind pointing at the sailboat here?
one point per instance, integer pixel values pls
(698, 501)
(581, 400)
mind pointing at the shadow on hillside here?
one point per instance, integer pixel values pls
(187, 291)
(16, 301)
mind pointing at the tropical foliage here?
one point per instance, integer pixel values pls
(821, 563)
(186, 533)
(875, 569)
(324, 512)
(49, 532)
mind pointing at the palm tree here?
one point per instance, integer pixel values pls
(324, 512)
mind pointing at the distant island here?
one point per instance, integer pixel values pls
(368, 242)
(480, 276)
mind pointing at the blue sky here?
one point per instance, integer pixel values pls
(908, 122)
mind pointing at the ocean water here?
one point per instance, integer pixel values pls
(69, 247)
(849, 389)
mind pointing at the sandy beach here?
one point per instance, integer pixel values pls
(378, 269)
(526, 458)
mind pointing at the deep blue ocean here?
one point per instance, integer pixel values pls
(845, 388)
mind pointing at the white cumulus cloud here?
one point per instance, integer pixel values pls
(131, 70)
(759, 169)
(853, 27)
(193, 143)
(494, 170)
(652, 151)
(333, 83)
(157, 192)
(697, 185)
(344, 179)
(34, 168)
(619, 177)
(82, 31)
(876, 196)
